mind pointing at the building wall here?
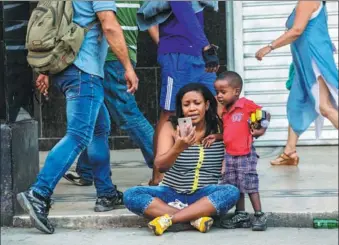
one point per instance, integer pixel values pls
(256, 24)
(51, 114)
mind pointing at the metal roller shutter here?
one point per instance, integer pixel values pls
(257, 23)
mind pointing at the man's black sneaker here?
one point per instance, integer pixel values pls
(241, 219)
(37, 208)
(77, 180)
(104, 204)
(259, 222)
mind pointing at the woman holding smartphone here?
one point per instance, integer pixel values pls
(192, 165)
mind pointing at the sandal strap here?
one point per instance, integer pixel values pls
(285, 156)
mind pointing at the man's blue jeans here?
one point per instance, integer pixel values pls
(125, 113)
(87, 126)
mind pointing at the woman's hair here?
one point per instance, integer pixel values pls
(213, 122)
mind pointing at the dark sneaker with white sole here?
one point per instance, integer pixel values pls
(38, 209)
(241, 219)
(74, 178)
(259, 222)
(104, 204)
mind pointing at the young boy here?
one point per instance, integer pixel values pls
(240, 156)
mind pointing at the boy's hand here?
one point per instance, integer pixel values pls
(210, 139)
(258, 132)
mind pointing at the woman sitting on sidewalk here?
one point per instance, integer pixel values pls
(189, 190)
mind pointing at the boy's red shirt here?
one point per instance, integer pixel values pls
(237, 136)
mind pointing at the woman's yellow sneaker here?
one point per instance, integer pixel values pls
(160, 224)
(203, 224)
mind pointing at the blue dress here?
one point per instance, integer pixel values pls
(313, 46)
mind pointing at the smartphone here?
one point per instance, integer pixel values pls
(185, 125)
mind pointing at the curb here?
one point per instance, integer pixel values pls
(295, 220)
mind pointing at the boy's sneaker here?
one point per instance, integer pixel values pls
(241, 219)
(38, 209)
(259, 222)
(160, 224)
(104, 204)
(203, 224)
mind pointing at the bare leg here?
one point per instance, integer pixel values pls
(202, 207)
(290, 150)
(292, 140)
(326, 107)
(255, 200)
(241, 203)
(164, 116)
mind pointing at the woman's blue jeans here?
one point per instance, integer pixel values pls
(88, 125)
(223, 197)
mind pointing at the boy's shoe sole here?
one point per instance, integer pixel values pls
(26, 205)
(259, 228)
(103, 209)
(239, 225)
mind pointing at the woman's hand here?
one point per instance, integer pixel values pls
(263, 52)
(183, 142)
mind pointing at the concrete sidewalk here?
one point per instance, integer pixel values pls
(291, 196)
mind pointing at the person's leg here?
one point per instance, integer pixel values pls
(289, 156)
(83, 175)
(83, 168)
(84, 97)
(150, 201)
(326, 106)
(99, 158)
(250, 185)
(241, 218)
(212, 199)
(124, 110)
(240, 206)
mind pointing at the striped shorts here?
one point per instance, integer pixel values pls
(241, 171)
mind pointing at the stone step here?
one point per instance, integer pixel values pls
(123, 218)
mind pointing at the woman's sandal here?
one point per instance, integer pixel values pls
(286, 159)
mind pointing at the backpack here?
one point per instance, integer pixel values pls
(53, 40)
